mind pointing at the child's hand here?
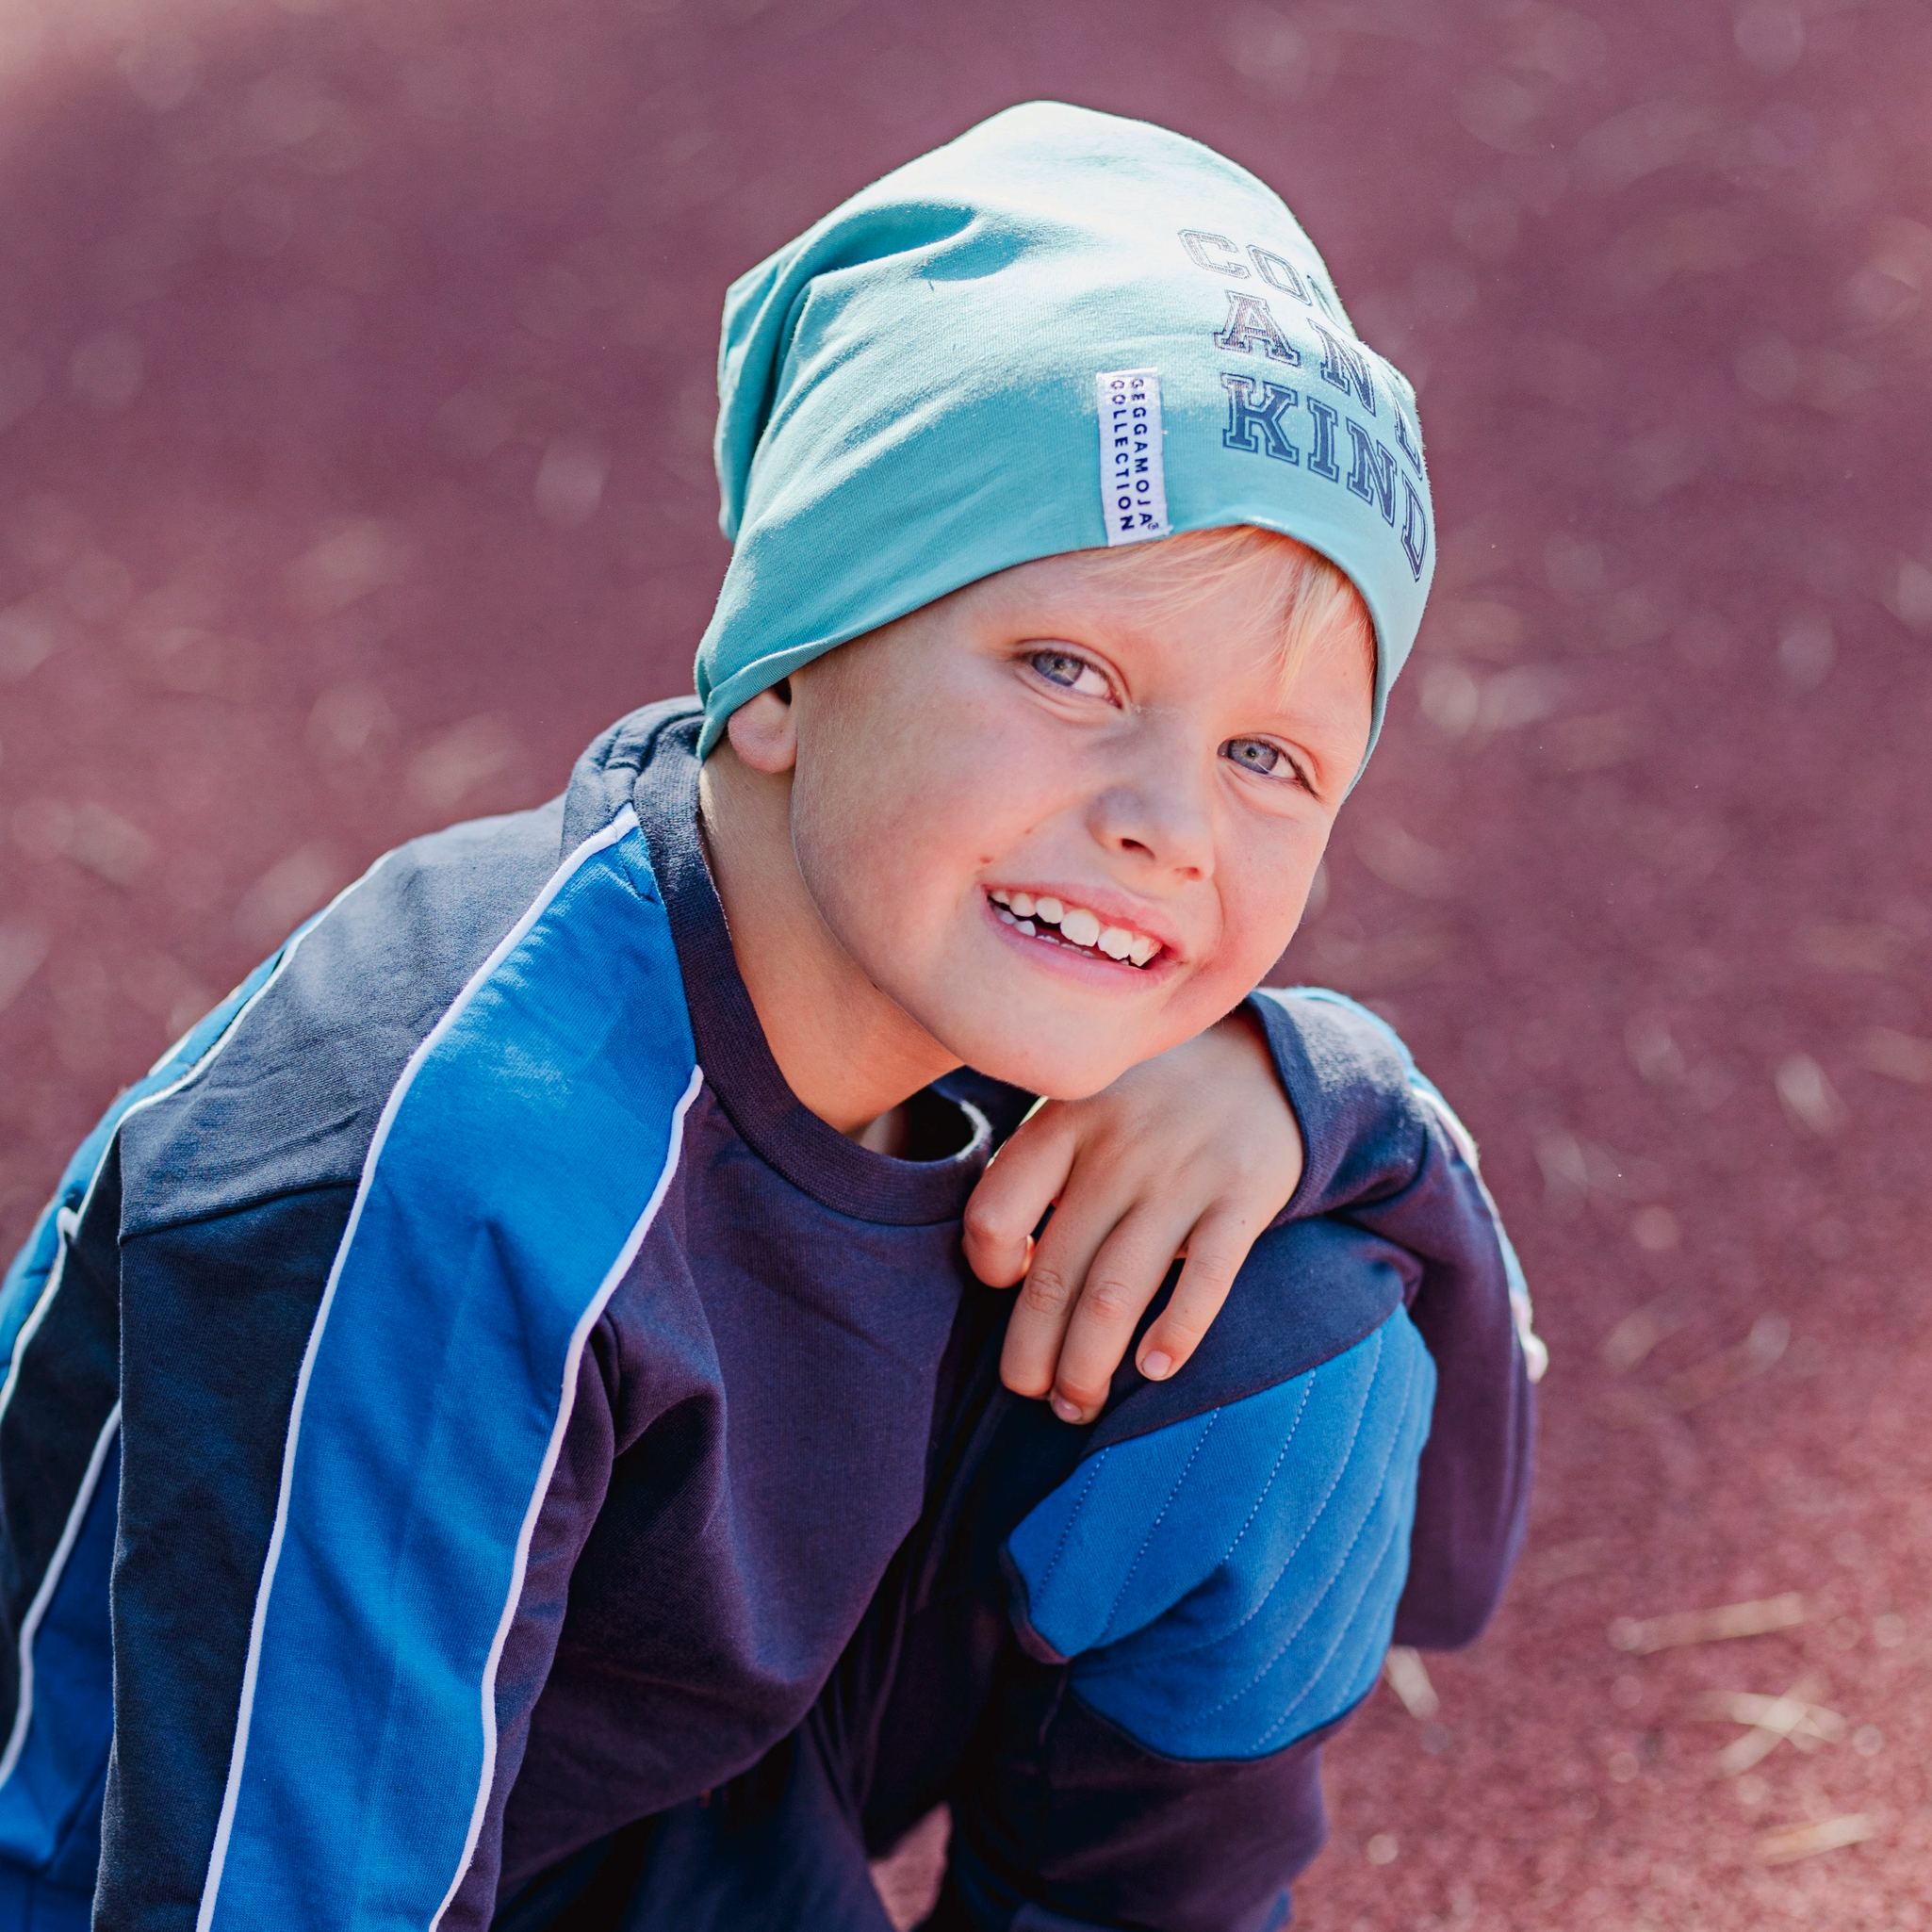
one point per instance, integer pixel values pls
(1191, 1154)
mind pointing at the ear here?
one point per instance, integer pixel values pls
(763, 730)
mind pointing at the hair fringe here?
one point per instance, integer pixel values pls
(1314, 598)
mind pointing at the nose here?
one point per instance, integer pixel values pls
(1156, 809)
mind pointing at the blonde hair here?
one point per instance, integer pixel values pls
(1314, 601)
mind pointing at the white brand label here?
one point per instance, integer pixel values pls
(1133, 488)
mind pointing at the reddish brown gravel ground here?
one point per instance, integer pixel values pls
(354, 396)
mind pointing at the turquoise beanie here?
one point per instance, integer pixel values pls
(972, 363)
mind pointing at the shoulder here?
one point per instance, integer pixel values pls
(284, 1093)
(1366, 1112)
(1227, 1584)
(1338, 1035)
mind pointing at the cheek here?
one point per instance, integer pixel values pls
(1262, 899)
(897, 814)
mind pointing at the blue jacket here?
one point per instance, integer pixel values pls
(461, 1405)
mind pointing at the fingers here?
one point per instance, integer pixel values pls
(1134, 1176)
(1215, 1249)
(1058, 1274)
(1123, 1278)
(1075, 1317)
(1024, 1180)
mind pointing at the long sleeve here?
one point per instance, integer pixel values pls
(216, 1321)
(1200, 1601)
(319, 1359)
(1388, 1155)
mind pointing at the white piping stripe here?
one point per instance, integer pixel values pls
(23, 1714)
(625, 823)
(572, 1361)
(57, 1565)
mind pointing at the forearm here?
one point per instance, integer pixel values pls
(1386, 1153)
(1473, 1486)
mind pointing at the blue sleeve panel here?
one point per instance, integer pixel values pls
(1227, 1585)
(302, 1587)
(399, 1541)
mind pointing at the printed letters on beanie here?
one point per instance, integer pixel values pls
(911, 394)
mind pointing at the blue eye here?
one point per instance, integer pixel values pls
(1059, 666)
(1254, 755)
(1069, 671)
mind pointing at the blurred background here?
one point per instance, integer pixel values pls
(355, 396)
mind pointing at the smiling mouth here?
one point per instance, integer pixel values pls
(1073, 929)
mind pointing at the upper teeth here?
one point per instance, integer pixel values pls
(1078, 926)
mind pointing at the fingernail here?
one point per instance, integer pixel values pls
(1066, 1410)
(1157, 1367)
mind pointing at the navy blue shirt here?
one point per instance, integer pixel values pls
(506, 1416)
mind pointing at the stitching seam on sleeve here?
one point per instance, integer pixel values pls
(1348, 1623)
(1072, 1517)
(1336, 1575)
(1160, 1515)
(1308, 1530)
(1287, 1443)
(1345, 1628)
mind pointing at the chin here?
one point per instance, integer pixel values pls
(1052, 1071)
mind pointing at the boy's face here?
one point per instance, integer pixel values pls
(995, 796)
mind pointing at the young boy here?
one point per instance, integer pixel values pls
(514, 1365)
